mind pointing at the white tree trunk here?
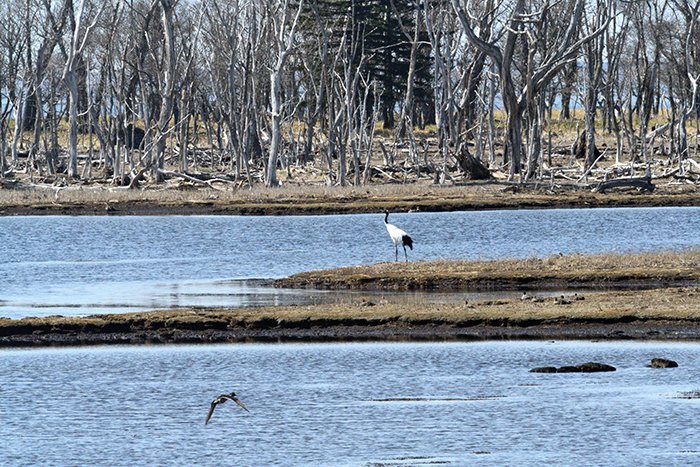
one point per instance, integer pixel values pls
(285, 40)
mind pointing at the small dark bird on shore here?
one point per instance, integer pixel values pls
(562, 301)
(222, 399)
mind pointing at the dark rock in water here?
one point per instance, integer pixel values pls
(595, 367)
(588, 367)
(662, 363)
(568, 369)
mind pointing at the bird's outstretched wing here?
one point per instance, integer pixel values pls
(238, 401)
(211, 411)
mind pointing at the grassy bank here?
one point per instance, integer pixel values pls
(658, 269)
(669, 313)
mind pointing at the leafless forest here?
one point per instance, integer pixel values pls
(242, 92)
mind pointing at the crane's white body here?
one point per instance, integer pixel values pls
(398, 236)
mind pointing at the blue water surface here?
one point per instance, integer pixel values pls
(67, 265)
(350, 405)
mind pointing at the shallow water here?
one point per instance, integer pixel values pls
(77, 265)
(343, 405)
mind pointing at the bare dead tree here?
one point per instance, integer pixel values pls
(615, 40)
(78, 40)
(50, 26)
(689, 75)
(13, 46)
(285, 22)
(516, 99)
(316, 63)
(228, 64)
(593, 57)
(190, 26)
(166, 84)
(440, 29)
(406, 115)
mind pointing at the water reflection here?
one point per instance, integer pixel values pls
(234, 293)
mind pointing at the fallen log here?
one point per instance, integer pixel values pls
(8, 183)
(197, 181)
(643, 183)
(585, 174)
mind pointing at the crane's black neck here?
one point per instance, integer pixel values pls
(386, 217)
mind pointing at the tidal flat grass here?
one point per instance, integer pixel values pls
(666, 306)
(587, 271)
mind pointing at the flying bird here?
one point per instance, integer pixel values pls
(222, 399)
(398, 236)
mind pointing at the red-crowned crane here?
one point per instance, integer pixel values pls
(398, 236)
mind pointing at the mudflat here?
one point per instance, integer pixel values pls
(103, 199)
(643, 296)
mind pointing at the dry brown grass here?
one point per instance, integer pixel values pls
(564, 131)
(660, 304)
(607, 270)
(177, 197)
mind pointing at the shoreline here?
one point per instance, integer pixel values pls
(310, 209)
(627, 328)
(661, 331)
(324, 201)
(658, 314)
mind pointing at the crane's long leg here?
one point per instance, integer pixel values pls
(404, 253)
(396, 247)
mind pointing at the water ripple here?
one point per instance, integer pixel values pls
(346, 404)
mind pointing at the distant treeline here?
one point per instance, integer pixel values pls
(249, 86)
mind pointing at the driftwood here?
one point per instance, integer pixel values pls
(8, 183)
(638, 182)
(585, 174)
(385, 174)
(691, 164)
(195, 180)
